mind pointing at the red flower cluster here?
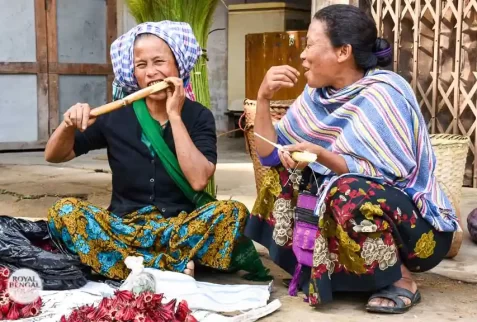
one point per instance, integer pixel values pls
(125, 306)
(10, 310)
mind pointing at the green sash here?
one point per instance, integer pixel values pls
(153, 132)
(244, 256)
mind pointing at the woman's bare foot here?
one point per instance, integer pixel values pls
(405, 282)
(190, 269)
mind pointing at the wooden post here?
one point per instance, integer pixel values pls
(415, 46)
(458, 66)
(319, 4)
(397, 32)
(436, 65)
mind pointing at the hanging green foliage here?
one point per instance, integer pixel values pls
(197, 13)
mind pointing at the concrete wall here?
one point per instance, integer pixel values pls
(217, 52)
(125, 20)
(217, 65)
(318, 4)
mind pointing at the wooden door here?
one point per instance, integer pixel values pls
(80, 34)
(269, 49)
(23, 75)
(54, 53)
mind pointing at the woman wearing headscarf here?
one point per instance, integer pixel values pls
(162, 152)
(369, 210)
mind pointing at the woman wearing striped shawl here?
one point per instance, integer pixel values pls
(379, 211)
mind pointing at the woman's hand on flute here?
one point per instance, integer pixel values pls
(78, 116)
(175, 97)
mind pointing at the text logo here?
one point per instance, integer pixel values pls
(24, 286)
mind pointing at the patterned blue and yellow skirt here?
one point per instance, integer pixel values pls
(212, 236)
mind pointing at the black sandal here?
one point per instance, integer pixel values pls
(393, 293)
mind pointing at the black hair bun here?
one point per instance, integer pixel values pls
(383, 52)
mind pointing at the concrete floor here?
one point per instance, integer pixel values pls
(28, 186)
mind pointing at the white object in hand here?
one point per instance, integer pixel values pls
(307, 157)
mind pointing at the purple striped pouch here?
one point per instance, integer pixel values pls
(304, 234)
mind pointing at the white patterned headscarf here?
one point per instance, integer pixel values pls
(178, 35)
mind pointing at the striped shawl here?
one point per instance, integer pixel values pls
(376, 125)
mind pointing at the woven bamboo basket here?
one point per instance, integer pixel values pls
(451, 154)
(277, 111)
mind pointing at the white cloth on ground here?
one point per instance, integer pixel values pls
(206, 304)
(209, 296)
